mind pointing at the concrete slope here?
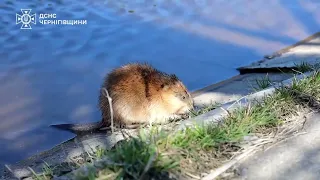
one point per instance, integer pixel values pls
(235, 88)
(295, 158)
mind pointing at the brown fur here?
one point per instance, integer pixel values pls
(141, 93)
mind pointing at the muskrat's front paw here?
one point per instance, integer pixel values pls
(174, 117)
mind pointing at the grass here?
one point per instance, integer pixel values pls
(47, 173)
(199, 149)
(303, 67)
(134, 158)
(263, 83)
(306, 67)
(205, 109)
(239, 124)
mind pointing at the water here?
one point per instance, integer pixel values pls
(52, 73)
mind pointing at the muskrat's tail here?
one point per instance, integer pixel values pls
(80, 128)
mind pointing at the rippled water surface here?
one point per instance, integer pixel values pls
(52, 73)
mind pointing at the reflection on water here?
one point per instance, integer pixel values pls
(51, 74)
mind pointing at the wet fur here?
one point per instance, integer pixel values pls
(140, 94)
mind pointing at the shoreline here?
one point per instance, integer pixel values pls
(78, 145)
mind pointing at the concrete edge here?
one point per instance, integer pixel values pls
(218, 114)
(215, 85)
(281, 51)
(65, 152)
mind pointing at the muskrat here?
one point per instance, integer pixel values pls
(140, 95)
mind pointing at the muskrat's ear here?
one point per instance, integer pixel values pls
(164, 86)
(144, 73)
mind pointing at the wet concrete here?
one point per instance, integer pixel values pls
(52, 73)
